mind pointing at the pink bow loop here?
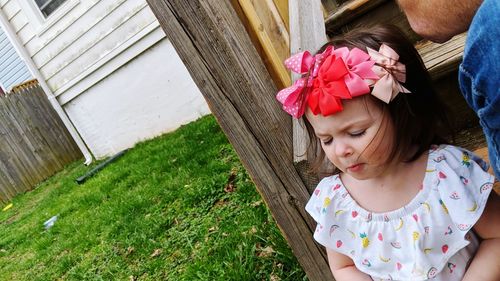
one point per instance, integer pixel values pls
(360, 75)
(300, 63)
(390, 71)
(293, 98)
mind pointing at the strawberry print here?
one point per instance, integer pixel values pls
(444, 248)
(354, 214)
(442, 175)
(339, 243)
(380, 237)
(415, 217)
(317, 192)
(337, 186)
(399, 266)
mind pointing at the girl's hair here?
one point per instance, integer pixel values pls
(418, 117)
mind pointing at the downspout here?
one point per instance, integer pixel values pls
(50, 95)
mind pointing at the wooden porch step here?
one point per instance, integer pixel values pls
(349, 11)
(441, 59)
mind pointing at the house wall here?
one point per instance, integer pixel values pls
(13, 70)
(107, 62)
(118, 117)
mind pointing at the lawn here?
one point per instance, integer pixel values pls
(178, 207)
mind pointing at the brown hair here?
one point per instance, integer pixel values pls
(419, 117)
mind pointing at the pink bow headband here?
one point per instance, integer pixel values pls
(338, 74)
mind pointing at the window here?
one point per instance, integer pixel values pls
(48, 6)
(43, 14)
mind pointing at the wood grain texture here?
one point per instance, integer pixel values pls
(441, 59)
(265, 22)
(34, 143)
(308, 29)
(222, 61)
(348, 11)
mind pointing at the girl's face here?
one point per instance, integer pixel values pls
(358, 139)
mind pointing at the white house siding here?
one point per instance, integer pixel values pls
(111, 68)
(134, 110)
(13, 70)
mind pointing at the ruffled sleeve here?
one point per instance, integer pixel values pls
(463, 185)
(323, 206)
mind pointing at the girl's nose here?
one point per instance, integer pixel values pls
(343, 149)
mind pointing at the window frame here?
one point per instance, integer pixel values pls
(39, 21)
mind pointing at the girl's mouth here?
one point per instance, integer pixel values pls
(355, 168)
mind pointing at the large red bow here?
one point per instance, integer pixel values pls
(329, 87)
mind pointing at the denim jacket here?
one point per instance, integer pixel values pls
(479, 75)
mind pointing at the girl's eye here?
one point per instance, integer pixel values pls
(357, 134)
(327, 142)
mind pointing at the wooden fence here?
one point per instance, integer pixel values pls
(34, 143)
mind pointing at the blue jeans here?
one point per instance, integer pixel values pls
(479, 75)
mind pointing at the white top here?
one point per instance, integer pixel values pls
(428, 238)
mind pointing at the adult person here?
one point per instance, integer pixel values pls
(479, 72)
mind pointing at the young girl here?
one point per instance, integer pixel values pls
(400, 207)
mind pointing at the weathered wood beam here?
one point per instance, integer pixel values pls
(221, 59)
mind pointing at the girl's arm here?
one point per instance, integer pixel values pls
(486, 263)
(343, 268)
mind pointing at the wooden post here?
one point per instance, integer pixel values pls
(307, 32)
(215, 48)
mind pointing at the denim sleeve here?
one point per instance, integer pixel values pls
(479, 74)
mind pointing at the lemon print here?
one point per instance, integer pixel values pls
(326, 202)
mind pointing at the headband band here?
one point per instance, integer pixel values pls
(337, 74)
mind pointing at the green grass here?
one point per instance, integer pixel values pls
(160, 212)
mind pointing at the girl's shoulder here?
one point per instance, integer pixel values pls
(459, 181)
(323, 195)
(456, 157)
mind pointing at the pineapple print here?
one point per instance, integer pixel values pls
(364, 240)
(416, 236)
(466, 159)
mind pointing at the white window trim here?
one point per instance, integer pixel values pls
(40, 23)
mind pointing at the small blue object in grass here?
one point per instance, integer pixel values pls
(50, 222)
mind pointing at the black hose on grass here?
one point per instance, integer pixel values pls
(99, 167)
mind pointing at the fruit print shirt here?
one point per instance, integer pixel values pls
(430, 238)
